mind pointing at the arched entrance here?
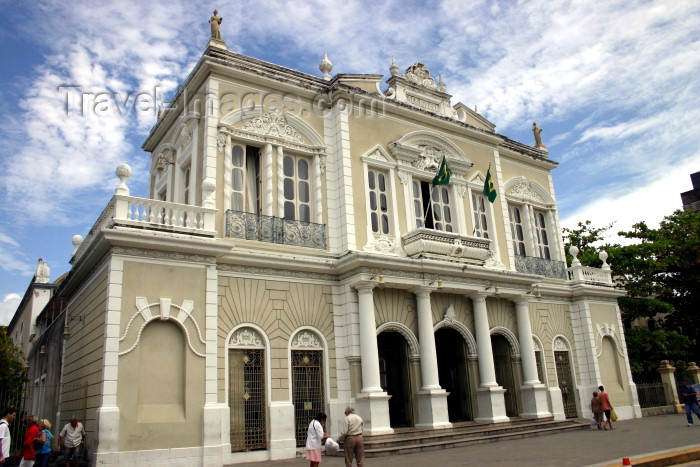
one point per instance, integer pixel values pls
(395, 377)
(505, 377)
(565, 379)
(454, 373)
(308, 388)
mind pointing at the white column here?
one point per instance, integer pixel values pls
(368, 339)
(280, 182)
(533, 393)
(267, 177)
(487, 372)
(426, 336)
(432, 399)
(527, 350)
(372, 401)
(489, 395)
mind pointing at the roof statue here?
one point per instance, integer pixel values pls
(215, 22)
(43, 272)
(538, 138)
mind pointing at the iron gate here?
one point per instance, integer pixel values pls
(247, 399)
(566, 383)
(307, 389)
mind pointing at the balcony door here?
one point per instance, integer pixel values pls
(246, 182)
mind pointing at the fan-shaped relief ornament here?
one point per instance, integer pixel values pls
(306, 340)
(246, 337)
(524, 191)
(559, 345)
(273, 124)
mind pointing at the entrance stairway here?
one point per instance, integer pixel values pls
(412, 440)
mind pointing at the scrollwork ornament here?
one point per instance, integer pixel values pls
(306, 340)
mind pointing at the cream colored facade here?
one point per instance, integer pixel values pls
(293, 257)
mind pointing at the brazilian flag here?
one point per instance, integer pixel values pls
(443, 174)
(489, 189)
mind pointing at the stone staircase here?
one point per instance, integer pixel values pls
(412, 440)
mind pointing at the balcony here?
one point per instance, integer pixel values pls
(540, 266)
(446, 245)
(163, 215)
(271, 229)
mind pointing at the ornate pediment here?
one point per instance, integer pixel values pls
(417, 88)
(420, 75)
(423, 151)
(272, 124)
(527, 192)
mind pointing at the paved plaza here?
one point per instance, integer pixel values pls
(630, 438)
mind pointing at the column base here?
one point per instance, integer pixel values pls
(534, 401)
(374, 410)
(283, 445)
(492, 405)
(432, 409)
(107, 429)
(556, 403)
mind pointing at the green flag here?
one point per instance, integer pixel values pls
(489, 189)
(443, 174)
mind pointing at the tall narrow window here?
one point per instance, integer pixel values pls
(432, 206)
(297, 189)
(481, 226)
(378, 201)
(516, 230)
(542, 238)
(186, 187)
(245, 179)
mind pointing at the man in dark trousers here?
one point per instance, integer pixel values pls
(352, 434)
(690, 399)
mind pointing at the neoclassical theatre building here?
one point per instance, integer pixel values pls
(294, 256)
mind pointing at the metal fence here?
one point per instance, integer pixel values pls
(275, 230)
(651, 394)
(54, 402)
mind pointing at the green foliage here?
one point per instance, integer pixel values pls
(584, 237)
(13, 372)
(647, 348)
(661, 274)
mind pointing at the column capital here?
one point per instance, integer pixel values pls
(423, 290)
(520, 299)
(364, 286)
(479, 297)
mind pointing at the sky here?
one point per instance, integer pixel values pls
(614, 85)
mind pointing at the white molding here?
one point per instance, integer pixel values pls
(510, 337)
(405, 332)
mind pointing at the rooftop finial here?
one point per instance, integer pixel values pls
(538, 138)
(326, 67)
(441, 84)
(215, 22)
(394, 68)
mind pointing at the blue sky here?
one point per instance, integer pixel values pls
(615, 87)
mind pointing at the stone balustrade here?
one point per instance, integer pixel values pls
(577, 272)
(163, 215)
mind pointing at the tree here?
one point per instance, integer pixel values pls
(14, 372)
(661, 275)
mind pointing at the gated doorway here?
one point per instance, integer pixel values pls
(454, 374)
(395, 377)
(565, 378)
(246, 397)
(307, 389)
(503, 364)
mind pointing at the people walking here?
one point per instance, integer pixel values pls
(690, 399)
(351, 432)
(43, 454)
(8, 417)
(314, 439)
(32, 433)
(597, 409)
(71, 438)
(607, 408)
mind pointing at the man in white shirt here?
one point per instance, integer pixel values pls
(71, 438)
(8, 416)
(351, 432)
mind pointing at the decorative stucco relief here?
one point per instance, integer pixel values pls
(607, 330)
(306, 340)
(246, 337)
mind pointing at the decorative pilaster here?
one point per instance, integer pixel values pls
(432, 399)
(533, 393)
(489, 395)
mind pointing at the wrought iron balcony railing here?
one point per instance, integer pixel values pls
(540, 266)
(250, 226)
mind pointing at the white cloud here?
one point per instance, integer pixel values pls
(8, 306)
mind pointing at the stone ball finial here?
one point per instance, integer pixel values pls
(208, 187)
(326, 67)
(603, 255)
(123, 172)
(77, 240)
(573, 251)
(394, 68)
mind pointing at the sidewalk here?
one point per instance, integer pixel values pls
(644, 436)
